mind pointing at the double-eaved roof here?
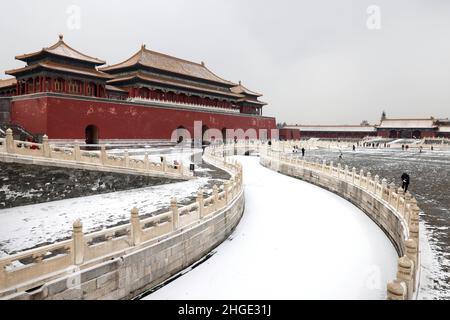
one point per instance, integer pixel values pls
(164, 62)
(5, 83)
(61, 49)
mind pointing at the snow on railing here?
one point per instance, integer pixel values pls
(34, 267)
(402, 205)
(183, 105)
(98, 158)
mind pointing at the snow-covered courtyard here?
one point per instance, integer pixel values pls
(295, 241)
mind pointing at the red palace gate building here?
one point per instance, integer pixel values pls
(66, 94)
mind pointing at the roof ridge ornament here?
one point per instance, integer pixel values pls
(143, 46)
(61, 37)
(203, 63)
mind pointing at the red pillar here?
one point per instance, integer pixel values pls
(52, 85)
(17, 88)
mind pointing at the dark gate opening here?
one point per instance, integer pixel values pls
(91, 134)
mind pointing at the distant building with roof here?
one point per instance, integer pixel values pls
(387, 128)
(66, 94)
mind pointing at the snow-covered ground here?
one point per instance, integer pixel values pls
(295, 241)
(430, 172)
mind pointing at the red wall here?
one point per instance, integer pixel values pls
(290, 134)
(65, 118)
(30, 114)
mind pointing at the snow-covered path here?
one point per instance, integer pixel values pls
(295, 241)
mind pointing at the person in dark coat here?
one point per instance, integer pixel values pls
(303, 152)
(405, 181)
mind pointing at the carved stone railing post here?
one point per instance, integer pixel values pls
(368, 181)
(339, 170)
(396, 290)
(216, 197)
(391, 193)
(103, 155)
(127, 159)
(404, 273)
(180, 168)
(383, 189)
(412, 254)
(164, 164)
(200, 201)
(78, 243)
(146, 162)
(77, 152)
(136, 229)
(353, 175)
(361, 176)
(376, 181)
(45, 146)
(346, 173)
(175, 214)
(9, 141)
(226, 189)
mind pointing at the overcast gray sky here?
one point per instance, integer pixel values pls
(316, 62)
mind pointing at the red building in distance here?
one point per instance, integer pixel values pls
(65, 94)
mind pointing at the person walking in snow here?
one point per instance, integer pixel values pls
(405, 181)
(303, 152)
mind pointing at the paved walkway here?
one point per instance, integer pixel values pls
(295, 241)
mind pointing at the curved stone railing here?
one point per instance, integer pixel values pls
(100, 160)
(155, 248)
(396, 213)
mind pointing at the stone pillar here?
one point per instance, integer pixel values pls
(78, 243)
(391, 191)
(45, 146)
(175, 214)
(216, 197)
(404, 273)
(376, 181)
(339, 170)
(103, 155)
(164, 164)
(226, 189)
(361, 175)
(127, 159)
(353, 175)
(146, 162)
(368, 180)
(180, 168)
(76, 152)
(383, 189)
(136, 230)
(346, 173)
(396, 291)
(411, 253)
(9, 141)
(201, 209)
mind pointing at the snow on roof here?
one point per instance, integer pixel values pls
(408, 123)
(444, 129)
(64, 50)
(343, 128)
(169, 63)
